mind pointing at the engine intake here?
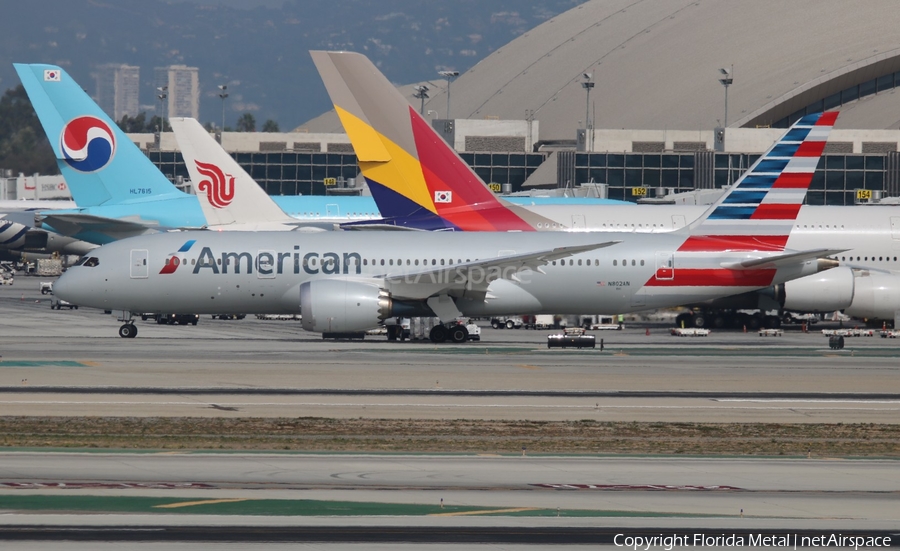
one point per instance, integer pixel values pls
(342, 306)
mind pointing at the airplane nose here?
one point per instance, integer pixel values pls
(63, 287)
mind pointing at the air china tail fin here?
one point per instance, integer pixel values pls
(227, 194)
(759, 210)
(99, 163)
(416, 179)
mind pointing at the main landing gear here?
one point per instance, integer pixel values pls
(455, 333)
(128, 330)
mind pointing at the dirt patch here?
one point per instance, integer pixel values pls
(316, 434)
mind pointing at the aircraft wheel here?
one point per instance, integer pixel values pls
(699, 320)
(438, 334)
(127, 331)
(459, 334)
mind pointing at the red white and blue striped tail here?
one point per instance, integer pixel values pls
(758, 212)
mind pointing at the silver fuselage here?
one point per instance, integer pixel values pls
(262, 272)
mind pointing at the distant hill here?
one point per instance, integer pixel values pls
(261, 52)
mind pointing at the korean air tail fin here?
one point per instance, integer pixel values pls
(416, 179)
(227, 194)
(99, 163)
(758, 212)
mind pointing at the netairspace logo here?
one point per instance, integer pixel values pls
(668, 542)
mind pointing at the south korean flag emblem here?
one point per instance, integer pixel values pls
(443, 196)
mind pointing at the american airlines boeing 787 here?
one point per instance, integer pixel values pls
(348, 281)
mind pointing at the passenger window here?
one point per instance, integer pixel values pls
(615, 262)
(579, 262)
(642, 262)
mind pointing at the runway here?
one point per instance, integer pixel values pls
(696, 492)
(386, 405)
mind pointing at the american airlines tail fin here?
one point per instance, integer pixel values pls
(416, 179)
(227, 194)
(100, 164)
(759, 210)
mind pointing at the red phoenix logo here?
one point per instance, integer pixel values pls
(219, 187)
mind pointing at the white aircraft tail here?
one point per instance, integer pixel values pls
(227, 194)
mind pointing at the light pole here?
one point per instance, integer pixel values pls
(726, 82)
(162, 94)
(421, 94)
(223, 94)
(449, 75)
(588, 84)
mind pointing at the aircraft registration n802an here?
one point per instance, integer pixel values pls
(349, 281)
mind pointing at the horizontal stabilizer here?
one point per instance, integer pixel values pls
(74, 225)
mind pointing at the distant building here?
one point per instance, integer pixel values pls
(118, 88)
(182, 84)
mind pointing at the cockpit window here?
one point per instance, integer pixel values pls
(90, 262)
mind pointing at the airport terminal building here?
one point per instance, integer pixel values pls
(680, 95)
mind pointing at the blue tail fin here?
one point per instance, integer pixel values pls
(100, 164)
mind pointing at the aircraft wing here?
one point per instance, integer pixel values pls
(781, 260)
(75, 225)
(473, 278)
(378, 225)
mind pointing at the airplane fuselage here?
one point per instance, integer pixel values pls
(262, 272)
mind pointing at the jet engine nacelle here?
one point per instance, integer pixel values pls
(343, 306)
(822, 292)
(877, 296)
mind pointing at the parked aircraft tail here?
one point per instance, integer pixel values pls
(100, 164)
(416, 179)
(227, 194)
(758, 211)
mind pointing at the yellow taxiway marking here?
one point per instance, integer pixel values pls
(203, 502)
(490, 512)
(527, 366)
